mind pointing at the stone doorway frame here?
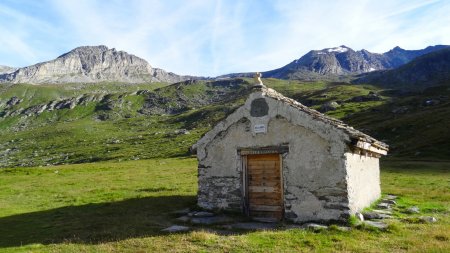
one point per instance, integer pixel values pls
(243, 152)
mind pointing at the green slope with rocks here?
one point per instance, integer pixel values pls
(77, 123)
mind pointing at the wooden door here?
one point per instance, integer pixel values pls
(264, 187)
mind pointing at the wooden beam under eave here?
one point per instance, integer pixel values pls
(369, 147)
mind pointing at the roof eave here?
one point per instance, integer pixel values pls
(371, 147)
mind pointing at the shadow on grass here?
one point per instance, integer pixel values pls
(92, 223)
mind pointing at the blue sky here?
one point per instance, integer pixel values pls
(208, 37)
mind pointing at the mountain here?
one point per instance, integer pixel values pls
(340, 62)
(6, 69)
(89, 64)
(432, 69)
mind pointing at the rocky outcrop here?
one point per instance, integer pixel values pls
(329, 106)
(68, 103)
(89, 64)
(372, 96)
(13, 101)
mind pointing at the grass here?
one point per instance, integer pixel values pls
(125, 126)
(111, 207)
(75, 137)
(113, 129)
(421, 133)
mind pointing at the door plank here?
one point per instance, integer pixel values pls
(266, 208)
(264, 186)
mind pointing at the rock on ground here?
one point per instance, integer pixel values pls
(412, 209)
(376, 215)
(211, 220)
(382, 211)
(183, 218)
(201, 214)
(315, 227)
(428, 219)
(359, 216)
(384, 205)
(176, 228)
(376, 224)
(389, 201)
(390, 197)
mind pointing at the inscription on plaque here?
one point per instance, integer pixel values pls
(260, 128)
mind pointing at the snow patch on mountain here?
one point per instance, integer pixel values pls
(337, 49)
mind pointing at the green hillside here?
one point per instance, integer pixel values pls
(112, 121)
(429, 70)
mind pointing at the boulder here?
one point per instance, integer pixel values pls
(13, 101)
(315, 227)
(383, 205)
(329, 106)
(376, 215)
(372, 96)
(182, 131)
(428, 219)
(176, 228)
(183, 218)
(211, 220)
(201, 214)
(382, 211)
(376, 224)
(412, 209)
(389, 201)
(359, 216)
(391, 196)
(431, 102)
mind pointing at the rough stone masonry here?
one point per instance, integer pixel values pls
(329, 169)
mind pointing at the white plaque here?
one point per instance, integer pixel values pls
(260, 128)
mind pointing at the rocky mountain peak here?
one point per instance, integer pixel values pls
(337, 50)
(340, 61)
(83, 50)
(89, 64)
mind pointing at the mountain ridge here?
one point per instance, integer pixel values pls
(89, 64)
(338, 62)
(428, 70)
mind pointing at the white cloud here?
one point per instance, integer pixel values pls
(375, 26)
(160, 33)
(204, 37)
(16, 40)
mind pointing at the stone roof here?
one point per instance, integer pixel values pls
(354, 134)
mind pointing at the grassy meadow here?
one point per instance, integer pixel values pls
(105, 176)
(122, 206)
